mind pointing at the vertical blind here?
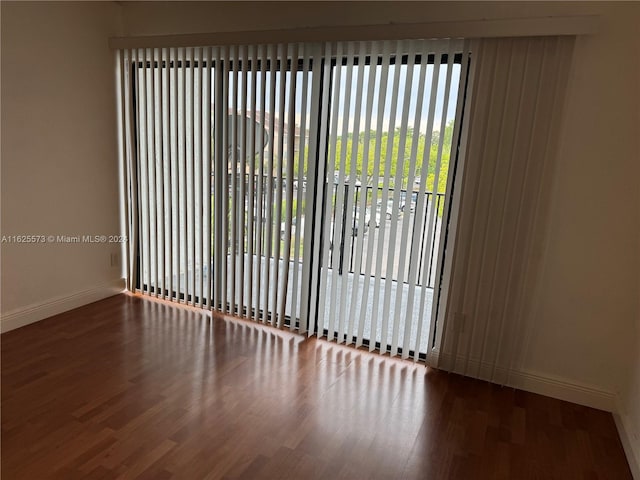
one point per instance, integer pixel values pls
(211, 154)
(517, 96)
(383, 107)
(254, 172)
(166, 114)
(265, 94)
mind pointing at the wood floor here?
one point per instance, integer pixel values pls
(134, 388)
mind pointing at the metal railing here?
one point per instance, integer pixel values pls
(393, 215)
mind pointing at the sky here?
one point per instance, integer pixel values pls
(408, 95)
(407, 98)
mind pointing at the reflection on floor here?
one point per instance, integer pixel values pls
(130, 387)
(397, 311)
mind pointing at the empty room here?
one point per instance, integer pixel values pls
(320, 240)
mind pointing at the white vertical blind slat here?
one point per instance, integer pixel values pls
(252, 228)
(158, 171)
(205, 181)
(259, 207)
(359, 195)
(351, 225)
(325, 320)
(297, 264)
(323, 210)
(174, 178)
(130, 165)
(276, 319)
(371, 83)
(384, 80)
(340, 227)
(166, 170)
(139, 168)
(291, 138)
(186, 231)
(122, 85)
(184, 182)
(290, 144)
(152, 169)
(243, 307)
(260, 204)
(141, 120)
(224, 173)
(218, 193)
(144, 168)
(206, 176)
(191, 175)
(395, 89)
(397, 187)
(233, 196)
(269, 207)
(312, 271)
(197, 178)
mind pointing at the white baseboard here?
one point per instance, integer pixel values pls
(39, 311)
(535, 382)
(630, 442)
(563, 389)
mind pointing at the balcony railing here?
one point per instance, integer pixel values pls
(392, 215)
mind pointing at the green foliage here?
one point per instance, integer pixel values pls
(383, 151)
(388, 156)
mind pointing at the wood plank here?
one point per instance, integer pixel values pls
(131, 387)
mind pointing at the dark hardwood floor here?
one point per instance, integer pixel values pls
(135, 388)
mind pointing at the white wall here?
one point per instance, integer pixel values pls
(588, 298)
(153, 18)
(585, 324)
(59, 155)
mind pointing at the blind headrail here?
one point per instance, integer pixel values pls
(503, 27)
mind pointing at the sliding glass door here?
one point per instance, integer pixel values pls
(300, 185)
(262, 165)
(169, 196)
(393, 112)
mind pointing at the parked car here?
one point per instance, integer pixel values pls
(389, 209)
(412, 203)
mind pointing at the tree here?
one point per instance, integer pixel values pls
(383, 150)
